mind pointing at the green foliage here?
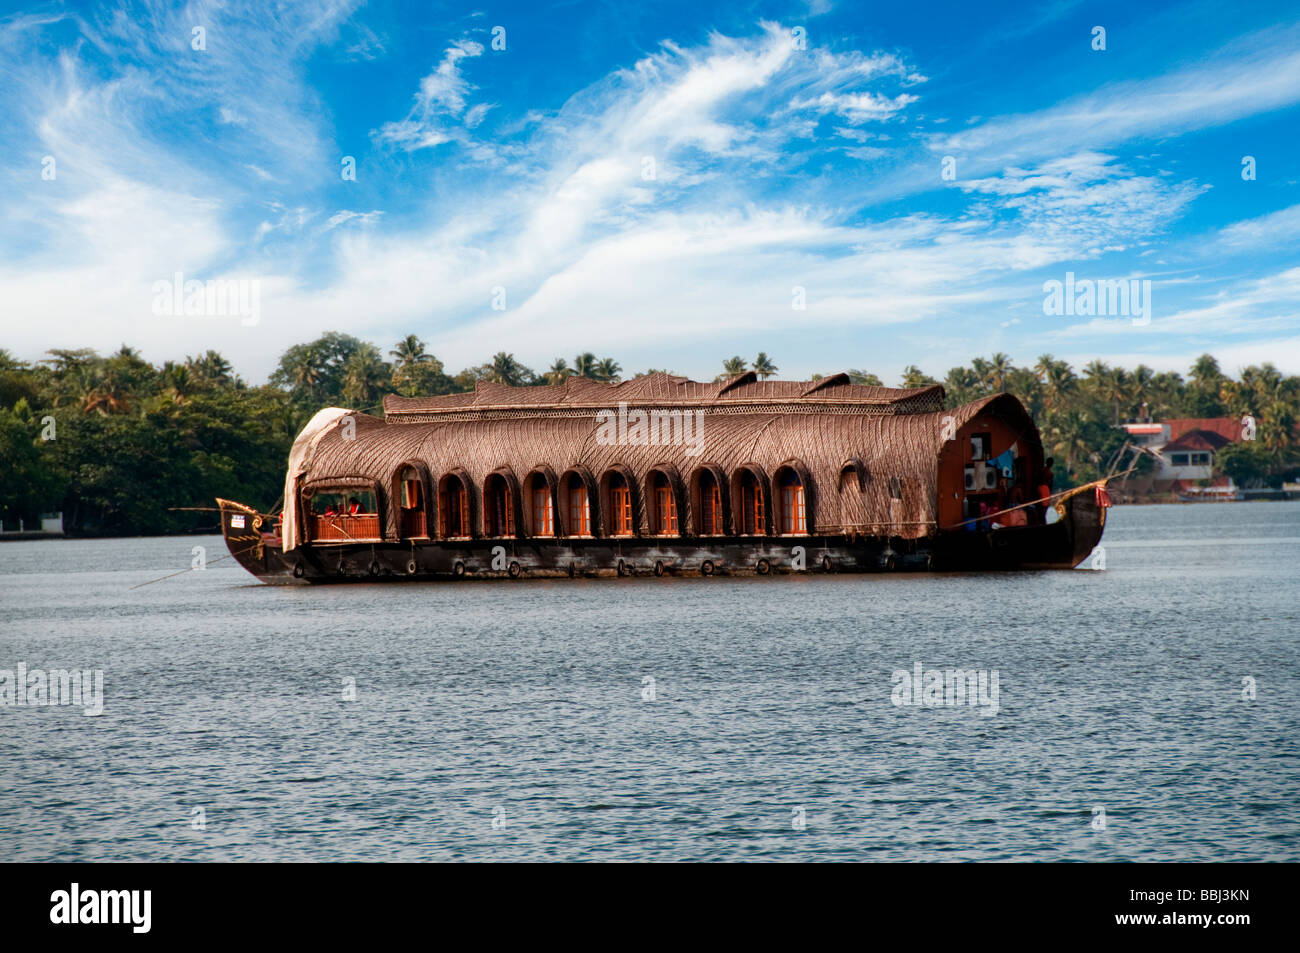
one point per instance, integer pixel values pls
(1249, 463)
(913, 377)
(731, 367)
(861, 378)
(763, 366)
(132, 440)
(314, 373)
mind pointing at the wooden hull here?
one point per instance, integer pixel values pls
(1060, 545)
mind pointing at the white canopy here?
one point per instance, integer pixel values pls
(304, 445)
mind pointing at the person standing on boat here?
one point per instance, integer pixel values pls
(1045, 483)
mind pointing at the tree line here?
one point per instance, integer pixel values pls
(121, 445)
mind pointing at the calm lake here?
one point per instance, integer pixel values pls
(518, 720)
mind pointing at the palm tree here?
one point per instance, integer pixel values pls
(763, 366)
(1205, 398)
(210, 369)
(558, 371)
(1205, 372)
(1068, 438)
(584, 365)
(1095, 373)
(1277, 429)
(1058, 380)
(913, 376)
(506, 370)
(731, 367)
(178, 381)
(409, 352)
(416, 372)
(108, 394)
(862, 377)
(608, 370)
(996, 371)
(1108, 384)
(962, 385)
(1024, 383)
(364, 375)
(303, 368)
(1166, 395)
(1139, 389)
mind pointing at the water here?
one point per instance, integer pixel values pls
(522, 702)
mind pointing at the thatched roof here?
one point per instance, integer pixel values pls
(744, 391)
(867, 455)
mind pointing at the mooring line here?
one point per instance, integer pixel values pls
(191, 569)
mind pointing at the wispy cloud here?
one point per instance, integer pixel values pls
(671, 206)
(1255, 75)
(440, 98)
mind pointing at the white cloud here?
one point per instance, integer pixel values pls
(357, 218)
(439, 99)
(1274, 230)
(590, 250)
(1248, 78)
(857, 108)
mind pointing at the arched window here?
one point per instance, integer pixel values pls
(342, 513)
(793, 509)
(575, 504)
(751, 507)
(453, 507)
(498, 507)
(854, 512)
(540, 506)
(708, 496)
(414, 523)
(621, 518)
(662, 505)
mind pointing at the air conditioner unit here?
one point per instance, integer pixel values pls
(970, 478)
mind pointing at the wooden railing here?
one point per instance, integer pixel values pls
(414, 524)
(345, 527)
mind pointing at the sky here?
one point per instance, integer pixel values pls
(840, 185)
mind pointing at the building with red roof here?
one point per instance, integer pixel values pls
(1186, 450)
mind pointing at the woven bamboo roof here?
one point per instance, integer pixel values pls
(888, 440)
(663, 390)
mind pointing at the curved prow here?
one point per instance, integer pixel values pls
(253, 540)
(1084, 514)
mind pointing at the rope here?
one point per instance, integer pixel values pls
(191, 569)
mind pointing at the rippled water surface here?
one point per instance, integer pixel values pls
(522, 702)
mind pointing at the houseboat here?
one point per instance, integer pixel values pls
(666, 476)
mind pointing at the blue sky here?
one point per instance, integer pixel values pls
(652, 182)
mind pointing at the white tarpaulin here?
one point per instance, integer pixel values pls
(299, 460)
